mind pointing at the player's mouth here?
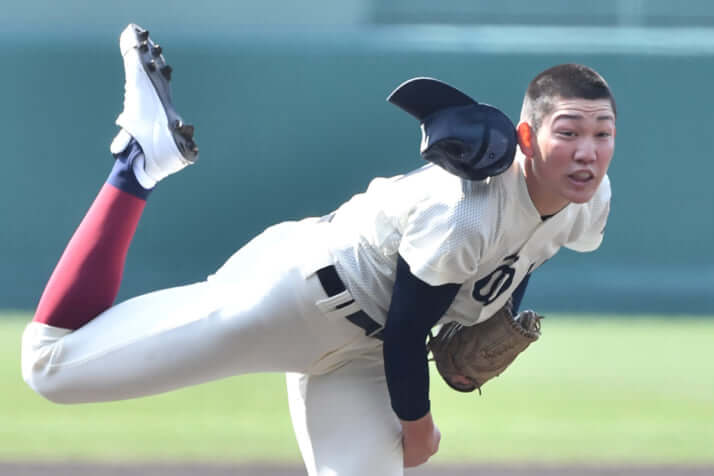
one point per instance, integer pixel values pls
(581, 177)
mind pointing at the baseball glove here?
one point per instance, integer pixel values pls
(469, 356)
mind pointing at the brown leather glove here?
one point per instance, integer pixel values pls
(469, 356)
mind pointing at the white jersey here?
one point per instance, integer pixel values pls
(485, 235)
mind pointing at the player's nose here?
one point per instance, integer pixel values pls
(585, 151)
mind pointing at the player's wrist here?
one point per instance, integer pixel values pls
(420, 439)
(422, 424)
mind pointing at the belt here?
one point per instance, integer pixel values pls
(333, 285)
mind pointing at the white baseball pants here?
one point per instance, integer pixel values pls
(263, 311)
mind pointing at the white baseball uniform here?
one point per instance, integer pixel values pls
(265, 309)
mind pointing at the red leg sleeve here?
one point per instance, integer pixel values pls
(86, 280)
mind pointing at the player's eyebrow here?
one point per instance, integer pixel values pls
(603, 117)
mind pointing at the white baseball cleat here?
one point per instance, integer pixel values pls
(149, 115)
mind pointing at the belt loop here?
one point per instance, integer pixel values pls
(340, 299)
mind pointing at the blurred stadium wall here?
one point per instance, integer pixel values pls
(289, 103)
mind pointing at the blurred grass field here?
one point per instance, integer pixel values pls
(594, 389)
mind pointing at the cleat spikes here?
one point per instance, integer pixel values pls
(166, 71)
(186, 131)
(143, 47)
(143, 35)
(156, 50)
(151, 66)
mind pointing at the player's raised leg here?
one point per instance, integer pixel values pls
(248, 318)
(153, 142)
(258, 313)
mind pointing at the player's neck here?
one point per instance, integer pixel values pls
(544, 200)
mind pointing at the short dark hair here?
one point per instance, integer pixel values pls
(564, 81)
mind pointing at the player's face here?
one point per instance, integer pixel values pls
(571, 154)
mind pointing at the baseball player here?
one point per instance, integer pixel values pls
(341, 303)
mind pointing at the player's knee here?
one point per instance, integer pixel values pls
(41, 380)
(40, 349)
(39, 384)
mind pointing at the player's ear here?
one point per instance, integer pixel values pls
(525, 138)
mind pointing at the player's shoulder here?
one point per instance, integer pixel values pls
(431, 177)
(431, 186)
(461, 206)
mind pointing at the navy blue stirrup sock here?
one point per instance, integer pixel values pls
(122, 175)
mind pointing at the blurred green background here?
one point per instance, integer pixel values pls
(289, 104)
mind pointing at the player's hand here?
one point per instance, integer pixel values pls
(420, 439)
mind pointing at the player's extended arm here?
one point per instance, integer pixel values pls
(415, 308)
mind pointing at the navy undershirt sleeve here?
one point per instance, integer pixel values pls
(415, 309)
(517, 295)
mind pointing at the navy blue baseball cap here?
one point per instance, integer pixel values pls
(465, 137)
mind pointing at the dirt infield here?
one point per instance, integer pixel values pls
(67, 469)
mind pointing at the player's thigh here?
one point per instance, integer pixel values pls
(344, 422)
(257, 314)
(174, 338)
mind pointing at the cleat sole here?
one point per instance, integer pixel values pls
(159, 73)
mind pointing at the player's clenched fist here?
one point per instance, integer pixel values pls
(420, 439)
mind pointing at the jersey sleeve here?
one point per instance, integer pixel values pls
(595, 221)
(441, 244)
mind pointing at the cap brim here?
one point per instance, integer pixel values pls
(423, 96)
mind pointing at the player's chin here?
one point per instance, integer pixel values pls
(581, 191)
(580, 198)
